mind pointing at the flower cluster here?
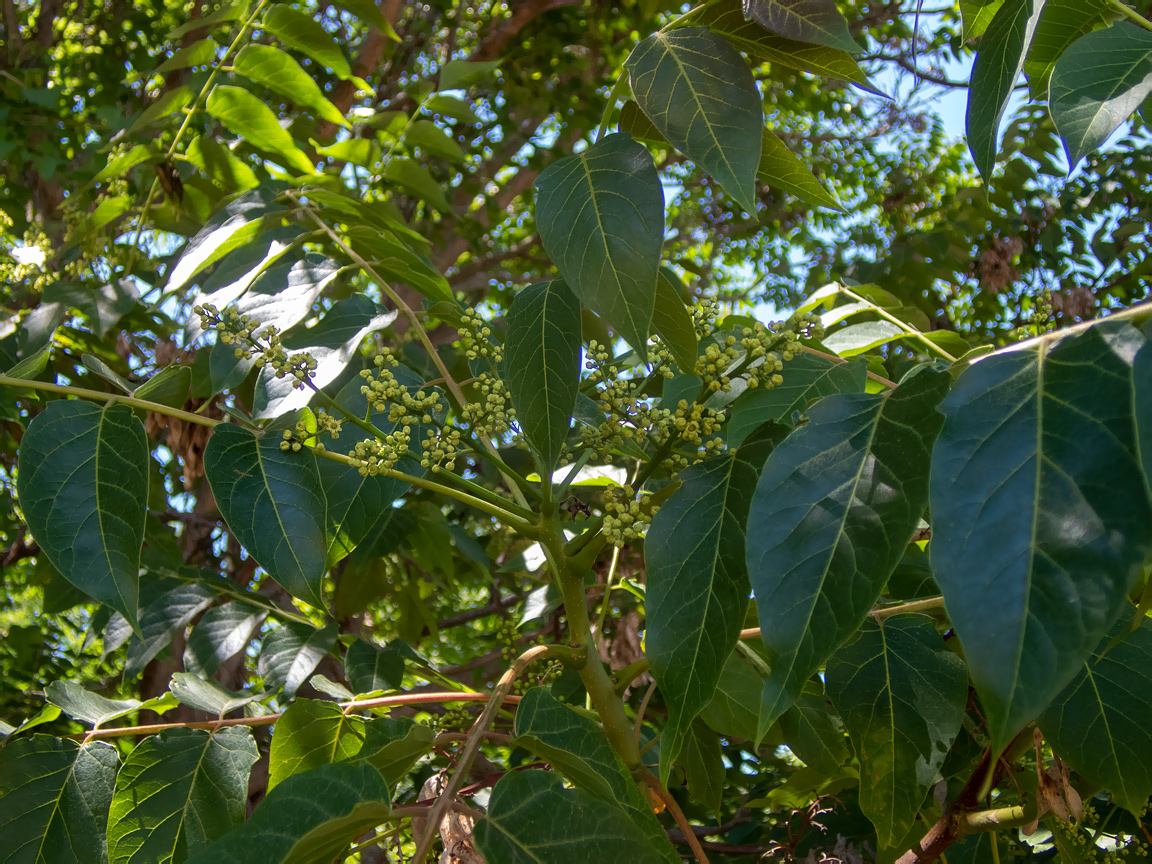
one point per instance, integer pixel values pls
(627, 517)
(263, 346)
(1079, 836)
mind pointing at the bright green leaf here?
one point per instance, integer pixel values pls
(858, 338)
(54, 799)
(177, 792)
(703, 762)
(83, 487)
(698, 91)
(369, 12)
(199, 53)
(418, 180)
(1099, 723)
(782, 169)
(1061, 23)
(817, 21)
(391, 256)
(91, 708)
(1097, 84)
(220, 165)
(434, 141)
(600, 215)
(281, 74)
(999, 60)
(252, 120)
(122, 164)
(168, 104)
(359, 151)
(542, 363)
(226, 14)
(393, 745)
(672, 321)
(312, 733)
(305, 33)
(226, 230)
(274, 504)
(1039, 514)
(170, 386)
(835, 507)
(902, 695)
(697, 582)
(977, 15)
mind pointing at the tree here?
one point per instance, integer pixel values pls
(390, 432)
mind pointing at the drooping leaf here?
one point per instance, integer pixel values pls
(698, 587)
(672, 321)
(177, 792)
(226, 230)
(817, 21)
(306, 35)
(168, 104)
(1098, 724)
(733, 710)
(835, 507)
(542, 362)
(200, 53)
(332, 343)
(533, 819)
(578, 748)
(83, 487)
(291, 653)
(1039, 514)
(103, 305)
(1096, 85)
(310, 817)
(161, 620)
(698, 91)
(600, 215)
(418, 180)
(902, 695)
(369, 12)
(85, 706)
(370, 667)
(703, 762)
(806, 379)
(459, 74)
(393, 745)
(220, 165)
(210, 696)
(1061, 23)
(170, 386)
(391, 256)
(122, 164)
(999, 60)
(434, 141)
(219, 635)
(254, 121)
(782, 169)
(274, 504)
(54, 799)
(281, 74)
(312, 733)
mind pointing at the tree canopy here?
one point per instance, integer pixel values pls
(551, 428)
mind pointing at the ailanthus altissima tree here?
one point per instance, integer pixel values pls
(386, 482)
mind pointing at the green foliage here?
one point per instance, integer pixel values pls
(301, 430)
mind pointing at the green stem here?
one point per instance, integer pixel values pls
(97, 396)
(892, 319)
(1132, 14)
(613, 98)
(913, 606)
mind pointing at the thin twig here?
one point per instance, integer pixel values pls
(678, 815)
(641, 711)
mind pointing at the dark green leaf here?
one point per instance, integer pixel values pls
(308, 818)
(332, 343)
(1061, 23)
(122, 164)
(170, 386)
(226, 14)
(168, 104)
(459, 74)
(542, 359)
(813, 733)
(434, 141)
(1142, 409)
(254, 121)
(806, 379)
(179, 791)
(672, 321)
(291, 653)
(418, 180)
(835, 507)
(273, 502)
(161, 620)
(817, 21)
(994, 73)
(54, 799)
(103, 305)
(370, 668)
(391, 256)
(733, 709)
(533, 819)
(1099, 723)
(83, 487)
(199, 53)
(1040, 515)
(703, 762)
(87, 707)
(1097, 84)
(220, 165)
(698, 91)
(902, 695)
(697, 582)
(306, 35)
(312, 733)
(392, 745)
(600, 215)
(221, 634)
(281, 74)
(369, 12)
(782, 169)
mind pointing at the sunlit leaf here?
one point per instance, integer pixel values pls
(306, 35)
(281, 74)
(291, 653)
(254, 121)
(220, 634)
(817, 21)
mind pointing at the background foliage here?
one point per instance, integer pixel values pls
(395, 431)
